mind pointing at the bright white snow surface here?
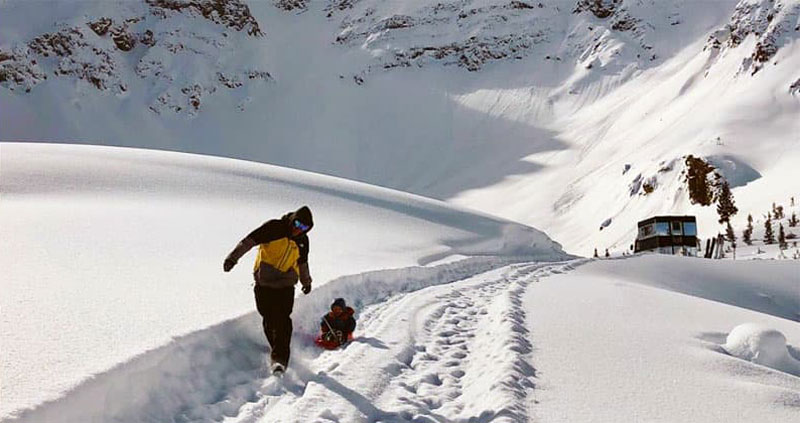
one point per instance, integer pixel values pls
(107, 253)
(115, 308)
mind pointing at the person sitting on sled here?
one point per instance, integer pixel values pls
(338, 325)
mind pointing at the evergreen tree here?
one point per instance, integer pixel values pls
(607, 255)
(782, 238)
(595, 253)
(793, 220)
(697, 171)
(726, 207)
(729, 235)
(747, 234)
(779, 212)
(769, 235)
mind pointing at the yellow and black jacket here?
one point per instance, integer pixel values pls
(281, 259)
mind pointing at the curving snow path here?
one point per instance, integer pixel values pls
(430, 355)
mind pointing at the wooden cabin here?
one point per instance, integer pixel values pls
(667, 235)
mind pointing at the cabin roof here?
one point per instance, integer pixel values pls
(667, 218)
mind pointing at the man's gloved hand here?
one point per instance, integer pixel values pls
(339, 337)
(306, 288)
(228, 265)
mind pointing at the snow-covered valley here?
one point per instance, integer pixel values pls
(516, 108)
(461, 316)
(462, 158)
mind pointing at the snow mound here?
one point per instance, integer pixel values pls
(761, 345)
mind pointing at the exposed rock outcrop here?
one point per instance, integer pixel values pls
(774, 24)
(99, 52)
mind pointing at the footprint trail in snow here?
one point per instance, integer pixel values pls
(457, 352)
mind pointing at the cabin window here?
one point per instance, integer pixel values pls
(676, 228)
(646, 231)
(662, 228)
(690, 228)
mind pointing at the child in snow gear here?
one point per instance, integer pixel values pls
(337, 326)
(282, 259)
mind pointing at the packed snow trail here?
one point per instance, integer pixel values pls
(456, 352)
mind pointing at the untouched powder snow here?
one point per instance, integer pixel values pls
(110, 252)
(649, 338)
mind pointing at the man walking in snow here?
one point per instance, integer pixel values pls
(282, 259)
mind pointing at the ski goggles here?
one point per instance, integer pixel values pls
(300, 225)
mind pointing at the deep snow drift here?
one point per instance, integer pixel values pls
(107, 252)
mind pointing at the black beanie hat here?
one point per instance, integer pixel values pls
(339, 302)
(303, 214)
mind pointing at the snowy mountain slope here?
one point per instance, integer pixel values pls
(108, 253)
(505, 106)
(118, 251)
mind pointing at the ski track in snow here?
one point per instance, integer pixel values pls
(429, 355)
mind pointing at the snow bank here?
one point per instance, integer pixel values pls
(761, 345)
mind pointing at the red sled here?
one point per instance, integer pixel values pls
(330, 344)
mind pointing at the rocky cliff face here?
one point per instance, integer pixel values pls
(772, 23)
(472, 34)
(156, 38)
(173, 45)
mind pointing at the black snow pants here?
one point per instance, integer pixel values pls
(275, 307)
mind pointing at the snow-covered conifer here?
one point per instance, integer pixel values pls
(726, 206)
(769, 235)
